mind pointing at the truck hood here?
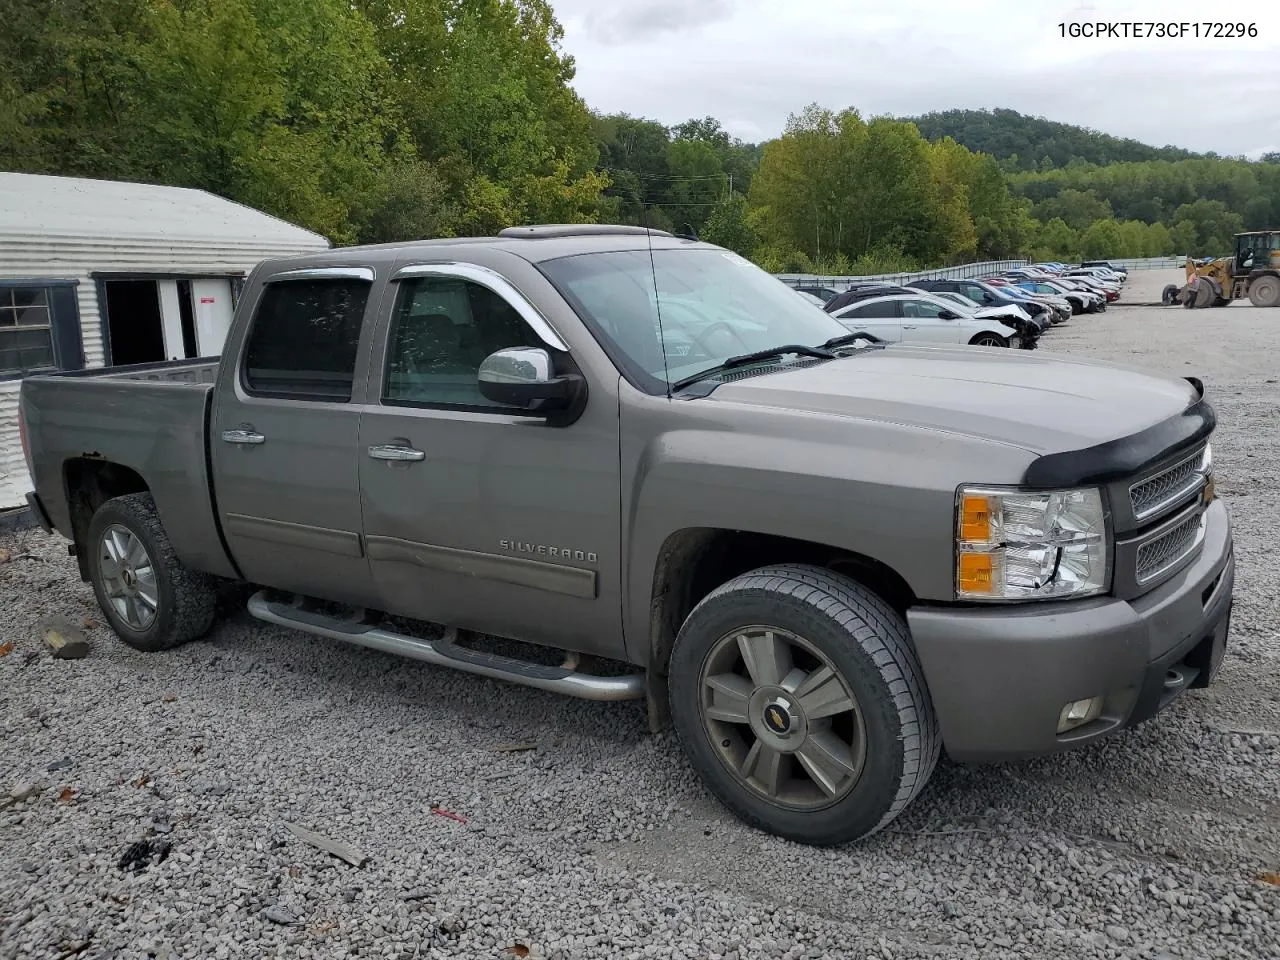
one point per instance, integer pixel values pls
(1039, 403)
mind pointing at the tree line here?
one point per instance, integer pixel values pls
(383, 120)
(365, 120)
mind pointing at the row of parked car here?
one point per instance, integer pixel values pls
(1010, 309)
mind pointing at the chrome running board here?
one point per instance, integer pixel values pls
(446, 652)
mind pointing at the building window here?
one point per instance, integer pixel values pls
(26, 331)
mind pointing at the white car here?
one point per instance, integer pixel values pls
(924, 319)
(967, 308)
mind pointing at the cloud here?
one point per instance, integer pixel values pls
(637, 21)
(764, 59)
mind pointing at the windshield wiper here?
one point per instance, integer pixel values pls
(845, 340)
(771, 352)
(746, 358)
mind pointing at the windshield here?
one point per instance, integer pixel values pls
(961, 299)
(713, 305)
(962, 306)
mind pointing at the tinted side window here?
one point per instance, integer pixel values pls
(885, 308)
(921, 308)
(302, 344)
(442, 330)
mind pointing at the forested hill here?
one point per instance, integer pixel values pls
(1033, 143)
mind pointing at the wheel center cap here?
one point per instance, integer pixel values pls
(778, 717)
(128, 576)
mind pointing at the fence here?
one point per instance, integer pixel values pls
(1152, 263)
(964, 271)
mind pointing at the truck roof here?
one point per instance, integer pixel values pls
(533, 243)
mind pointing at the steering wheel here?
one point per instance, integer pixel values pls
(698, 337)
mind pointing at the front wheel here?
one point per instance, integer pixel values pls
(150, 599)
(800, 702)
(1265, 292)
(989, 340)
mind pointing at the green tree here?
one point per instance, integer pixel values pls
(1079, 208)
(484, 89)
(1185, 239)
(1159, 242)
(729, 226)
(1102, 240)
(1057, 241)
(1215, 226)
(696, 182)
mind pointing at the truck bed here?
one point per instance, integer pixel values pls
(197, 370)
(153, 420)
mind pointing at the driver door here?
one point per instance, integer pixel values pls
(477, 515)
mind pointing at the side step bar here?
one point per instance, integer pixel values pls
(446, 653)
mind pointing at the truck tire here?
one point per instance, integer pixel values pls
(1203, 296)
(1265, 292)
(800, 702)
(150, 599)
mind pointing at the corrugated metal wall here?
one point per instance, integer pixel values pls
(38, 258)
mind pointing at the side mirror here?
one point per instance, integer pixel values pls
(525, 377)
(948, 315)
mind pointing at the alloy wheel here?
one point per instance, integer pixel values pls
(782, 718)
(128, 576)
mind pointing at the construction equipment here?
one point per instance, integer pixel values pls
(1253, 271)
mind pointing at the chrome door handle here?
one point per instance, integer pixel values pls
(242, 436)
(909, 326)
(392, 451)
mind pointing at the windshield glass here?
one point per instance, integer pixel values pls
(713, 305)
(962, 306)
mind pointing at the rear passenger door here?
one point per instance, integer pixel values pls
(880, 318)
(285, 431)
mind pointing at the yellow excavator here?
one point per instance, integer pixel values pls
(1252, 272)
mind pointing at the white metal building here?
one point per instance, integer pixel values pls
(94, 273)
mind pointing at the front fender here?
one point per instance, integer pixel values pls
(882, 490)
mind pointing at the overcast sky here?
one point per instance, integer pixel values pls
(752, 62)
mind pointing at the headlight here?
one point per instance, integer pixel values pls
(1015, 545)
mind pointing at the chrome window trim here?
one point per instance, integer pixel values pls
(495, 282)
(326, 273)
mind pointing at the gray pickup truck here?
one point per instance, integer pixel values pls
(619, 464)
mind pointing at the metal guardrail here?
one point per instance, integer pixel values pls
(964, 271)
(1152, 263)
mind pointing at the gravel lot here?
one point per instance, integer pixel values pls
(599, 842)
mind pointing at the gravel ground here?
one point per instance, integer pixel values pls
(599, 842)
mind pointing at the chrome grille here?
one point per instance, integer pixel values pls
(1166, 488)
(1171, 547)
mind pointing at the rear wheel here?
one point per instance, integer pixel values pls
(800, 702)
(150, 599)
(989, 340)
(1265, 292)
